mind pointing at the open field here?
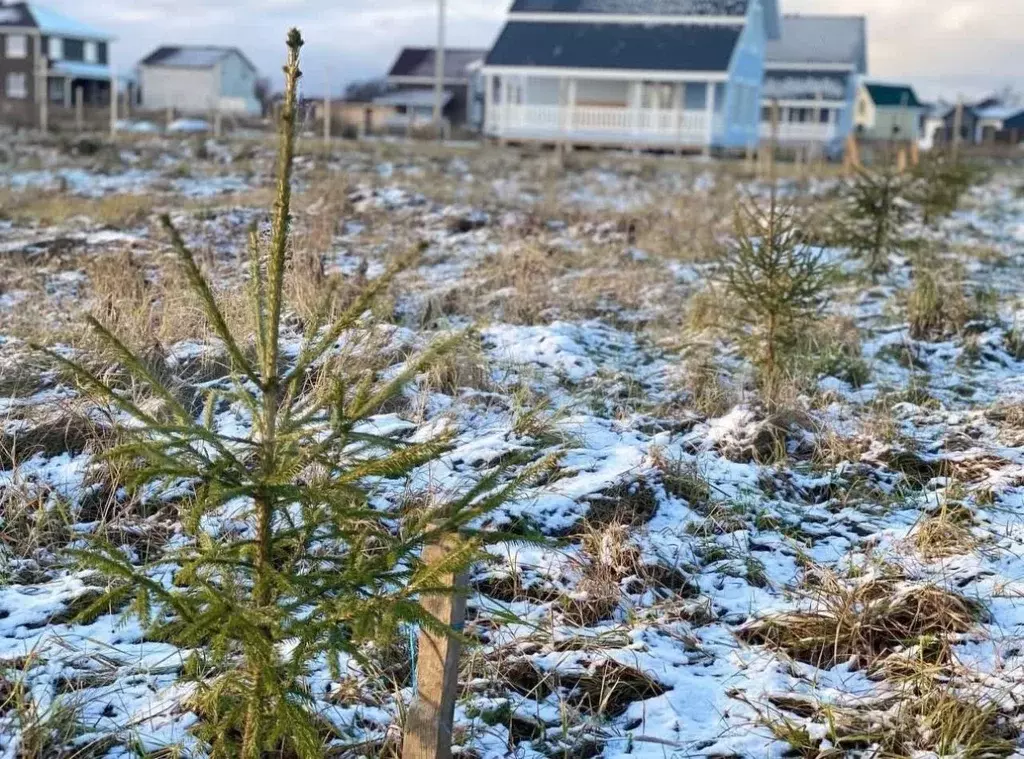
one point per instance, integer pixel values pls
(825, 565)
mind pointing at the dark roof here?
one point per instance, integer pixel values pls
(419, 62)
(820, 39)
(16, 15)
(890, 95)
(635, 7)
(671, 47)
(191, 56)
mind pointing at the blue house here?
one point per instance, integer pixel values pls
(812, 74)
(676, 74)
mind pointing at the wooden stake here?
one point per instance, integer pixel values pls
(915, 153)
(428, 723)
(901, 161)
(113, 101)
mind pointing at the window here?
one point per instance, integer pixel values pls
(56, 90)
(16, 86)
(825, 117)
(92, 53)
(766, 114)
(696, 96)
(55, 49)
(16, 46)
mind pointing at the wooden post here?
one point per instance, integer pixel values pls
(958, 125)
(113, 101)
(773, 141)
(428, 723)
(43, 83)
(169, 116)
(79, 109)
(915, 153)
(901, 161)
(218, 122)
(327, 110)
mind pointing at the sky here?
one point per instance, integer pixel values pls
(943, 47)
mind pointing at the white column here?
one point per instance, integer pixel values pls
(711, 116)
(636, 93)
(680, 102)
(571, 116)
(488, 103)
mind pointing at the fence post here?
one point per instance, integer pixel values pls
(79, 109)
(428, 723)
(114, 95)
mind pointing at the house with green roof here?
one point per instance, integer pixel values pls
(888, 112)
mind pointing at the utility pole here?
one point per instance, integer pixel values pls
(439, 70)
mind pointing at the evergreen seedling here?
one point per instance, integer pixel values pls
(875, 210)
(293, 557)
(776, 280)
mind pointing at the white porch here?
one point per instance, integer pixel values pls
(803, 123)
(681, 114)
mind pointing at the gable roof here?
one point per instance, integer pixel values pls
(635, 7)
(48, 22)
(640, 47)
(192, 56)
(650, 8)
(419, 62)
(893, 95)
(820, 40)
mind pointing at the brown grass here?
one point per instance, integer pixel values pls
(863, 620)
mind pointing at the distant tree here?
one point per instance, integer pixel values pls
(264, 93)
(366, 90)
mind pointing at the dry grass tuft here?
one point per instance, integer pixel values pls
(864, 620)
(946, 533)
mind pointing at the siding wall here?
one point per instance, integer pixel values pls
(907, 120)
(741, 109)
(190, 90)
(22, 112)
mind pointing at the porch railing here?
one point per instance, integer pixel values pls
(599, 123)
(801, 132)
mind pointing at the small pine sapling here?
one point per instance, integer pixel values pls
(777, 281)
(873, 215)
(940, 182)
(293, 556)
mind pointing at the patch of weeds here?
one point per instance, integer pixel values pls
(630, 503)
(682, 479)
(938, 305)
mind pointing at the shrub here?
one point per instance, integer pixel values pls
(776, 279)
(293, 558)
(874, 210)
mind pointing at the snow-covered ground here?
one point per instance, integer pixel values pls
(682, 532)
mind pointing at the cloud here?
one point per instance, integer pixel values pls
(968, 45)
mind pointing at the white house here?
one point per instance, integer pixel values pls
(812, 73)
(638, 73)
(198, 80)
